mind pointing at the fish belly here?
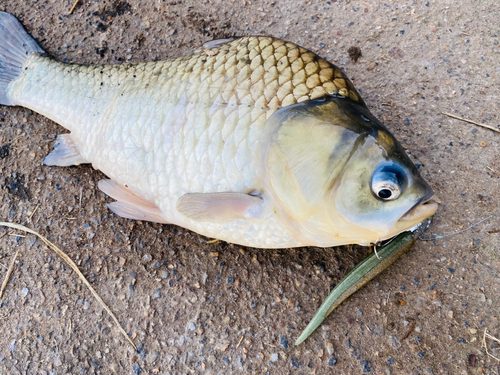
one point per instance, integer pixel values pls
(188, 125)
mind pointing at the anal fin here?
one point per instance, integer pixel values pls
(130, 205)
(220, 207)
(65, 153)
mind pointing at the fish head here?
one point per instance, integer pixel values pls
(338, 176)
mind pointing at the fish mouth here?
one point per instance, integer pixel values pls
(423, 209)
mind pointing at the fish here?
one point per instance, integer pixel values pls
(251, 140)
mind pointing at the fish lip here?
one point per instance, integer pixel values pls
(426, 200)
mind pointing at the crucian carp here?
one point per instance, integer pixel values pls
(251, 140)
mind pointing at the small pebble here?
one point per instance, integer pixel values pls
(329, 348)
(295, 362)
(192, 326)
(366, 366)
(137, 369)
(332, 361)
(274, 357)
(164, 274)
(284, 342)
(139, 348)
(472, 360)
(147, 258)
(152, 357)
(24, 292)
(156, 294)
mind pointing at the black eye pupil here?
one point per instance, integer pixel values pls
(385, 193)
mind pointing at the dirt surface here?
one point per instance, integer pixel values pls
(214, 308)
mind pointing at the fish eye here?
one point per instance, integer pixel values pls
(387, 182)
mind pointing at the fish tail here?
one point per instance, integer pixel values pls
(16, 45)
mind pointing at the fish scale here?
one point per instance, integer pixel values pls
(254, 140)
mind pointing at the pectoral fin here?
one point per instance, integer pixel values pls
(130, 205)
(65, 153)
(220, 207)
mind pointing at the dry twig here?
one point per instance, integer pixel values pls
(31, 215)
(7, 275)
(73, 7)
(472, 122)
(72, 264)
(239, 343)
(409, 331)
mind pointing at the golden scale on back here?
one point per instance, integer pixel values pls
(260, 71)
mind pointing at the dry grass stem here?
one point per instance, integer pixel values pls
(472, 122)
(31, 215)
(486, 335)
(3, 235)
(7, 275)
(239, 343)
(213, 241)
(72, 264)
(73, 7)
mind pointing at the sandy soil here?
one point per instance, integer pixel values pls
(196, 307)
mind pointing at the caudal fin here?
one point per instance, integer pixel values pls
(15, 47)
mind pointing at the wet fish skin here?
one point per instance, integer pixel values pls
(170, 133)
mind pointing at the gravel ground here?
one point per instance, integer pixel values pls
(214, 308)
